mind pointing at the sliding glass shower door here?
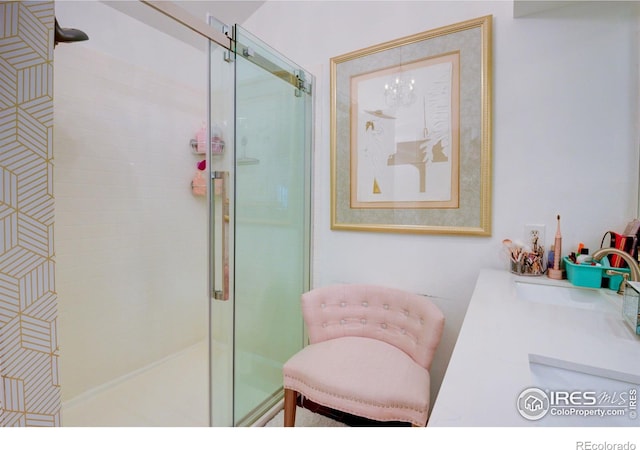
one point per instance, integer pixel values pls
(260, 224)
(177, 309)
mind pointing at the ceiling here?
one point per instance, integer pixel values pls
(523, 8)
(228, 12)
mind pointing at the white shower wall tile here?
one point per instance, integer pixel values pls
(130, 236)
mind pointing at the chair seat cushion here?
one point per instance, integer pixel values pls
(361, 376)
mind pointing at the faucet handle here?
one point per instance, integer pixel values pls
(623, 283)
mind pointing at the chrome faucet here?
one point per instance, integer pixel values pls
(632, 263)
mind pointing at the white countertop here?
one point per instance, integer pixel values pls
(490, 367)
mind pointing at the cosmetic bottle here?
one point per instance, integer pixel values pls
(583, 256)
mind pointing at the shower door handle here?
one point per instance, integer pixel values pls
(220, 260)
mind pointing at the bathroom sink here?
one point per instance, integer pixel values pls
(603, 300)
(575, 393)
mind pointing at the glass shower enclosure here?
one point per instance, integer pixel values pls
(177, 309)
(260, 225)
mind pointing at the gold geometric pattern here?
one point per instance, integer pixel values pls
(29, 385)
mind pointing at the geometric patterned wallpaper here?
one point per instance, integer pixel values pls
(29, 385)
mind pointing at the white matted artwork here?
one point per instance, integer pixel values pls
(405, 131)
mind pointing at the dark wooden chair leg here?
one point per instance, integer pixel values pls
(290, 397)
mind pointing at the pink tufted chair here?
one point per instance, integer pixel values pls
(370, 352)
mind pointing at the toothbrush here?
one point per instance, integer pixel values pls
(558, 247)
(555, 272)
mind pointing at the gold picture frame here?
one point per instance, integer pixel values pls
(411, 133)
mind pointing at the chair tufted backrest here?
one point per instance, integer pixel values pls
(408, 321)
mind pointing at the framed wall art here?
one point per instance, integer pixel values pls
(411, 133)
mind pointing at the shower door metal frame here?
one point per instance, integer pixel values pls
(222, 38)
(201, 27)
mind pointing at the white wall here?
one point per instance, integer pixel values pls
(130, 238)
(565, 140)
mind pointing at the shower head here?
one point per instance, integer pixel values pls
(68, 34)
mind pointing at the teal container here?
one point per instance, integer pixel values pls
(584, 275)
(612, 281)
